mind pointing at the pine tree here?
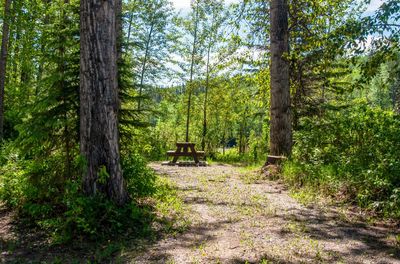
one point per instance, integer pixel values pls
(49, 132)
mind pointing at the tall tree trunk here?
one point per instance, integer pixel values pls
(42, 47)
(99, 102)
(146, 54)
(61, 70)
(130, 21)
(118, 28)
(129, 28)
(280, 130)
(203, 139)
(3, 61)
(194, 47)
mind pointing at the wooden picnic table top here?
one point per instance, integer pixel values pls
(185, 143)
(185, 154)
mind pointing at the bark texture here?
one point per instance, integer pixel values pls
(3, 61)
(99, 101)
(280, 130)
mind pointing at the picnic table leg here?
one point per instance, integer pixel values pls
(175, 159)
(194, 154)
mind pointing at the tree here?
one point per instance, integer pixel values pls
(319, 36)
(382, 30)
(192, 63)
(48, 129)
(3, 61)
(99, 103)
(214, 22)
(280, 130)
(152, 39)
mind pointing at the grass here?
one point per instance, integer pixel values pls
(305, 196)
(298, 228)
(169, 207)
(251, 174)
(246, 239)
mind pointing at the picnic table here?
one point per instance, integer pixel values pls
(185, 149)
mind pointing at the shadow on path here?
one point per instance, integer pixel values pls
(235, 224)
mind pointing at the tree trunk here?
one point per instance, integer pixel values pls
(191, 72)
(118, 28)
(130, 21)
(203, 139)
(146, 54)
(3, 61)
(280, 130)
(62, 72)
(42, 48)
(99, 102)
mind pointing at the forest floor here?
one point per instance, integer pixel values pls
(231, 215)
(236, 217)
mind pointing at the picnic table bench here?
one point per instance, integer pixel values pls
(185, 149)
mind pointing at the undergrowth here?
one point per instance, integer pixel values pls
(247, 159)
(60, 209)
(356, 162)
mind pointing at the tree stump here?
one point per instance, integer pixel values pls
(275, 160)
(272, 167)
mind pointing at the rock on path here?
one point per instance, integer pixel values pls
(237, 222)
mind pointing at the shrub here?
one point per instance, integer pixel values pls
(40, 192)
(232, 155)
(352, 151)
(140, 179)
(13, 181)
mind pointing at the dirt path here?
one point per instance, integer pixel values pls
(237, 222)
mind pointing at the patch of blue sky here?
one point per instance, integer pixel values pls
(373, 6)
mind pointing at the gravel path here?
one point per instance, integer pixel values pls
(234, 221)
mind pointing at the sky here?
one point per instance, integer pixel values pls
(374, 5)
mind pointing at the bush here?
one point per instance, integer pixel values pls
(232, 155)
(351, 151)
(93, 217)
(13, 181)
(58, 205)
(140, 179)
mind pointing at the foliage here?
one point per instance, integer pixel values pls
(237, 116)
(140, 179)
(233, 156)
(68, 214)
(358, 160)
(13, 183)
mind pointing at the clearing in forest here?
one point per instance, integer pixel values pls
(230, 215)
(235, 218)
